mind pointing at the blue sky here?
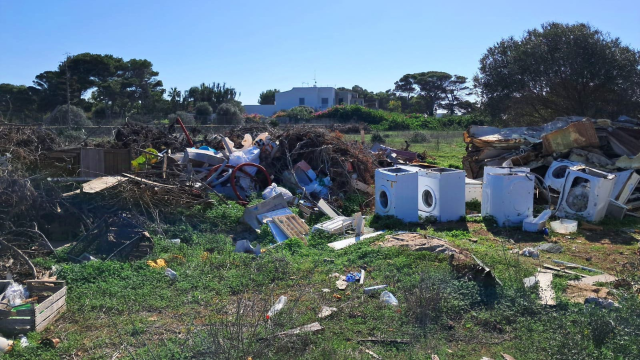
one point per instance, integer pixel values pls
(258, 45)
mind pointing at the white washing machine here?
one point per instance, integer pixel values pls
(554, 178)
(585, 194)
(503, 170)
(396, 190)
(508, 197)
(441, 194)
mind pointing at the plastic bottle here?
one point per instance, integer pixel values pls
(23, 340)
(282, 301)
(171, 274)
(388, 298)
(371, 289)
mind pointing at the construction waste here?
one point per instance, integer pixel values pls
(589, 166)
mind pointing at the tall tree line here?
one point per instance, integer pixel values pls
(108, 87)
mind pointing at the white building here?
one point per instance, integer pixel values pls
(318, 98)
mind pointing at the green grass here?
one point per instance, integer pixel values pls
(216, 308)
(447, 147)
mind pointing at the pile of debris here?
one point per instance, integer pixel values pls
(600, 149)
(134, 135)
(26, 144)
(114, 237)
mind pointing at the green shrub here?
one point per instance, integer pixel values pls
(300, 113)
(419, 137)
(74, 117)
(377, 138)
(229, 115)
(203, 110)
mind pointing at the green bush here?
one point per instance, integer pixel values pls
(393, 121)
(300, 113)
(229, 114)
(203, 109)
(377, 138)
(74, 117)
(419, 137)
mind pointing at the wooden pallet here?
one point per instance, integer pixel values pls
(292, 225)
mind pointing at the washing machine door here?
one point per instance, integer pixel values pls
(384, 200)
(428, 199)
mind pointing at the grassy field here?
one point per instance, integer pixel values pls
(216, 309)
(444, 148)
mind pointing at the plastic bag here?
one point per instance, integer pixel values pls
(250, 155)
(282, 301)
(16, 294)
(274, 190)
(246, 142)
(388, 298)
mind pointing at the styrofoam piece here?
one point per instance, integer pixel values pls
(585, 194)
(503, 170)
(335, 226)
(555, 176)
(508, 197)
(396, 190)
(537, 224)
(441, 194)
(564, 226)
(341, 244)
(473, 190)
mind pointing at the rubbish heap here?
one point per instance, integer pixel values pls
(582, 161)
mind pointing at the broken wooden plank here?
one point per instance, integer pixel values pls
(590, 280)
(147, 182)
(389, 341)
(341, 244)
(590, 227)
(101, 183)
(302, 329)
(325, 208)
(373, 355)
(545, 291)
(563, 270)
(359, 185)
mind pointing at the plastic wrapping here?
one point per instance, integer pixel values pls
(282, 301)
(388, 298)
(16, 294)
(274, 190)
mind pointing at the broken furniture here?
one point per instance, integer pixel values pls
(396, 189)
(114, 237)
(339, 225)
(51, 302)
(93, 162)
